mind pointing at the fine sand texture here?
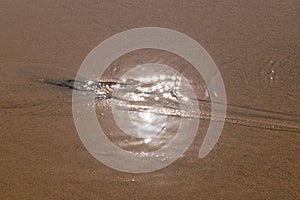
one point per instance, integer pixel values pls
(256, 46)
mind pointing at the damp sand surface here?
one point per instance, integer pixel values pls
(256, 47)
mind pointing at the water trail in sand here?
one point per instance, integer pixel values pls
(136, 95)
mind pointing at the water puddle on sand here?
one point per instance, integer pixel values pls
(155, 112)
(156, 103)
(235, 114)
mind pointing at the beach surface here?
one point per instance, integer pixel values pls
(256, 46)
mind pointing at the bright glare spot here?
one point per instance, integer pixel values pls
(147, 140)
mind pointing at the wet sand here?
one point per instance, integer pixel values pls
(255, 45)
